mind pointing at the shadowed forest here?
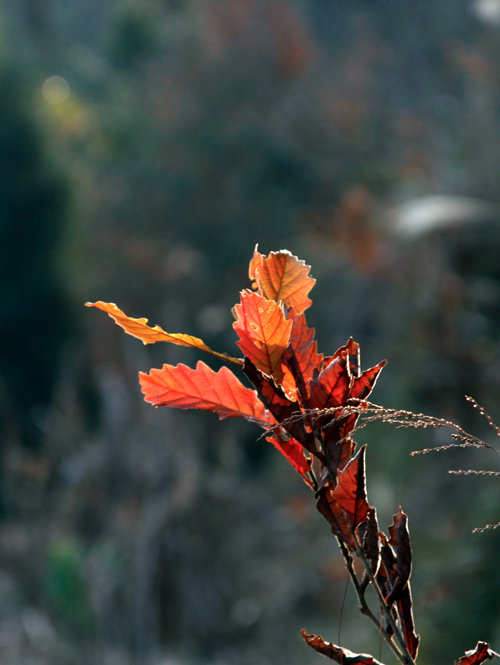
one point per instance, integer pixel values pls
(146, 146)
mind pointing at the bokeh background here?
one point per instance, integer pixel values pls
(146, 146)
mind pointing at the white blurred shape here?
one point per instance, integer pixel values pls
(437, 212)
(55, 90)
(487, 11)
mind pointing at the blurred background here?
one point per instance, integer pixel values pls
(146, 146)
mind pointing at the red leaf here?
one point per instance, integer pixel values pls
(150, 334)
(331, 387)
(350, 353)
(293, 451)
(393, 577)
(338, 654)
(400, 540)
(363, 385)
(412, 640)
(280, 276)
(202, 388)
(371, 543)
(263, 330)
(301, 357)
(350, 492)
(479, 654)
(286, 411)
(345, 506)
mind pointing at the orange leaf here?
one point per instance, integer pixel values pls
(202, 388)
(254, 264)
(263, 330)
(280, 276)
(150, 334)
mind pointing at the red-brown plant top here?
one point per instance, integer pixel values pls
(301, 398)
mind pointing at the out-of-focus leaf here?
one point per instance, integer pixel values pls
(263, 330)
(202, 388)
(481, 652)
(280, 276)
(151, 334)
(338, 654)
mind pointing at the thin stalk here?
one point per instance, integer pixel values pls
(404, 656)
(364, 608)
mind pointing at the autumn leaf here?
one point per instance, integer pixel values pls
(331, 387)
(370, 541)
(395, 585)
(280, 276)
(338, 654)
(301, 357)
(263, 330)
(203, 388)
(405, 611)
(151, 334)
(285, 411)
(255, 262)
(478, 655)
(364, 384)
(350, 354)
(294, 453)
(344, 505)
(350, 492)
(400, 540)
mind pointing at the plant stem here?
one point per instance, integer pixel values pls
(364, 608)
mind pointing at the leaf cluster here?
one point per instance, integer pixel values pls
(309, 405)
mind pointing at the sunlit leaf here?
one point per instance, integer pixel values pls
(285, 411)
(263, 330)
(363, 385)
(293, 451)
(151, 334)
(280, 276)
(255, 262)
(331, 387)
(301, 357)
(202, 388)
